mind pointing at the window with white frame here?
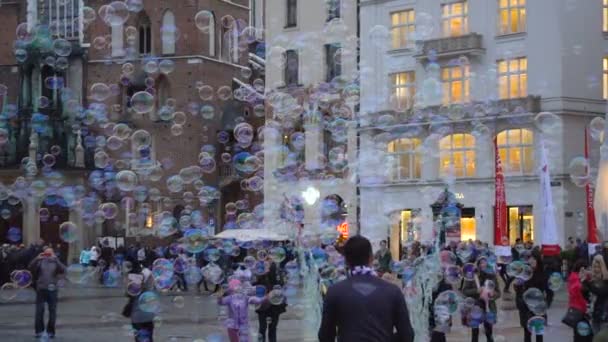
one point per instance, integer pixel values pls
(511, 16)
(291, 14)
(457, 155)
(168, 33)
(516, 150)
(454, 19)
(404, 158)
(512, 78)
(456, 84)
(403, 86)
(291, 72)
(403, 25)
(62, 17)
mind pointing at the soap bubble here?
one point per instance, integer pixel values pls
(535, 300)
(21, 278)
(449, 299)
(213, 273)
(583, 328)
(68, 232)
(276, 297)
(203, 21)
(596, 128)
(142, 102)
(555, 281)
(149, 302)
(62, 47)
(13, 234)
(110, 210)
(536, 325)
(547, 122)
(579, 170)
(126, 180)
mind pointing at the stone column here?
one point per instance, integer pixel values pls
(82, 240)
(314, 145)
(31, 220)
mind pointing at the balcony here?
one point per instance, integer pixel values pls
(449, 47)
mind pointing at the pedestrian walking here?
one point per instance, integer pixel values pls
(45, 270)
(577, 304)
(268, 313)
(596, 282)
(142, 316)
(539, 281)
(383, 257)
(364, 307)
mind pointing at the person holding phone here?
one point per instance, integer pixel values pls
(45, 269)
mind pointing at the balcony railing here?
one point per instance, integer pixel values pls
(469, 44)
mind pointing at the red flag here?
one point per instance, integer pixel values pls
(501, 238)
(591, 224)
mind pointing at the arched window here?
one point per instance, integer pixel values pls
(405, 159)
(516, 150)
(168, 33)
(230, 50)
(457, 154)
(145, 34)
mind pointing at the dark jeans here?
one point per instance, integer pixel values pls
(437, 336)
(181, 282)
(272, 326)
(144, 332)
(202, 281)
(487, 327)
(528, 336)
(50, 298)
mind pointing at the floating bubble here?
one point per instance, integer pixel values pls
(13, 234)
(21, 278)
(555, 281)
(213, 273)
(204, 21)
(535, 300)
(547, 122)
(126, 180)
(68, 232)
(449, 299)
(62, 47)
(111, 278)
(142, 102)
(596, 128)
(579, 170)
(583, 328)
(536, 325)
(149, 302)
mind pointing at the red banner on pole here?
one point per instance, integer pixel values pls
(501, 238)
(591, 224)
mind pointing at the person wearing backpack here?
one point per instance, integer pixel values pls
(45, 269)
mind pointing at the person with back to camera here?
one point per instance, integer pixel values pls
(363, 307)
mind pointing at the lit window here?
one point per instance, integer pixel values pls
(605, 15)
(457, 155)
(512, 16)
(454, 19)
(402, 28)
(404, 89)
(605, 77)
(168, 33)
(405, 159)
(513, 78)
(516, 150)
(291, 67)
(456, 84)
(292, 13)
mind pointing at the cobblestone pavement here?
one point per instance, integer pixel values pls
(93, 314)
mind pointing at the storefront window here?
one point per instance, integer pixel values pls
(521, 224)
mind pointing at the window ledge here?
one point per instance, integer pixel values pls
(399, 51)
(512, 36)
(291, 28)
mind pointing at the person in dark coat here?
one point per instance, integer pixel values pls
(364, 307)
(268, 313)
(437, 335)
(539, 281)
(596, 282)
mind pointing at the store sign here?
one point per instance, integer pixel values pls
(343, 229)
(459, 195)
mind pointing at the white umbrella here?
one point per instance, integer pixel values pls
(251, 235)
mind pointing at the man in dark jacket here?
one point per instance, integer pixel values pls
(45, 270)
(364, 307)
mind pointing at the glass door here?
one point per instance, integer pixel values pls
(521, 224)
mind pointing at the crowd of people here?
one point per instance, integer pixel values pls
(370, 300)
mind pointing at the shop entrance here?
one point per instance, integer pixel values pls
(521, 224)
(468, 225)
(404, 229)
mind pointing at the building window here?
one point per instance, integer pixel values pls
(168, 33)
(605, 77)
(402, 28)
(333, 61)
(211, 33)
(605, 15)
(291, 67)
(145, 36)
(516, 150)
(405, 159)
(230, 50)
(333, 10)
(454, 19)
(457, 155)
(292, 13)
(513, 78)
(512, 16)
(456, 84)
(403, 86)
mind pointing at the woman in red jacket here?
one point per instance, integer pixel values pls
(577, 301)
